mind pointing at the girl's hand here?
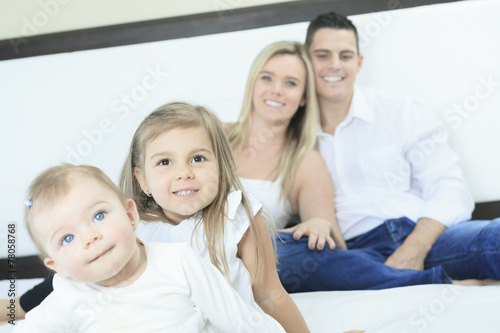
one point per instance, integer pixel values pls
(318, 230)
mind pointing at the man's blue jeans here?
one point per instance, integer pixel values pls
(468, 250)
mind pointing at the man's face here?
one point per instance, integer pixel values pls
(336, 63)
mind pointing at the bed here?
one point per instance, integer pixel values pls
(446, 54)
(415, 309)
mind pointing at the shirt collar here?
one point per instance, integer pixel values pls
(359, 108)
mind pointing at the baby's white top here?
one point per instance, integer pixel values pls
(178, 292)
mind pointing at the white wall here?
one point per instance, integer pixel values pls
(84, 106)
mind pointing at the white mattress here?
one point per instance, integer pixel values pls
(416, 309)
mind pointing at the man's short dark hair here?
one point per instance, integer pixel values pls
(330, 20)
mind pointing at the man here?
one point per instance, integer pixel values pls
(400, 193)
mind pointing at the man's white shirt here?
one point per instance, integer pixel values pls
(390, 158)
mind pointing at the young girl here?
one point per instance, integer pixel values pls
(181, 172)
(273, 143)
(109, 281)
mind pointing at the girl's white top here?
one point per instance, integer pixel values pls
(236, 225)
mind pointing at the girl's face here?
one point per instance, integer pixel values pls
(89, 235)
(279, 88)
(181, 172)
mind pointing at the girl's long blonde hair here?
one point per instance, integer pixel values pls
(301, 132)
(183, 115)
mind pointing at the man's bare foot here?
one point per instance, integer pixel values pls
(475, 282)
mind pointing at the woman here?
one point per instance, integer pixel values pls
(273, 143)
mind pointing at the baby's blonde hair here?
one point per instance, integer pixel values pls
(183, 115)
(55, 182)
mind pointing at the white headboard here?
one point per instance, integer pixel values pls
(83, 107)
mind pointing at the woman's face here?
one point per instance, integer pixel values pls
(279, 89)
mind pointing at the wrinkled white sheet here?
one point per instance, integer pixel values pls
(415, 309)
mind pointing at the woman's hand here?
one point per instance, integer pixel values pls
(318, 230)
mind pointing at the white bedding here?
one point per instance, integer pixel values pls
(416, 309)
(425, 308)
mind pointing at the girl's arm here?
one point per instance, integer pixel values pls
(313, 197)
(267, 289)
(222, 305)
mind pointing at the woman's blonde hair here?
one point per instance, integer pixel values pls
(183, 115)
(55, 182)
(301, 132)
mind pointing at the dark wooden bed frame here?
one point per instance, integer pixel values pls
(194, 25)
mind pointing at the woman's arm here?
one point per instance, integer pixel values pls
(267, 289)
(312, 197)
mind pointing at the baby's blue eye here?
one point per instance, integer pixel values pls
(67, 239)
(99, 216)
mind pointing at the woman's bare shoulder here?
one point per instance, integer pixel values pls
(311, 169)
(311, 159)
